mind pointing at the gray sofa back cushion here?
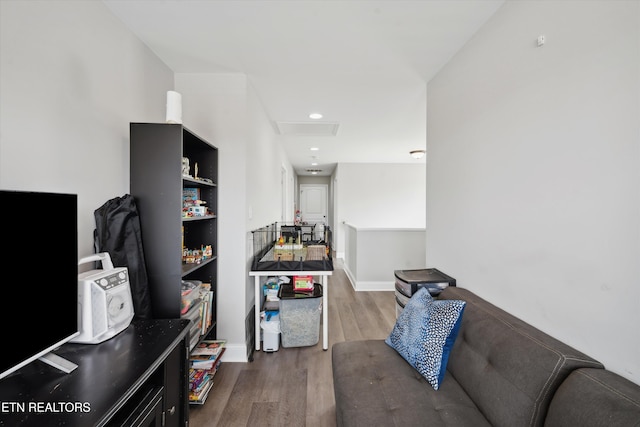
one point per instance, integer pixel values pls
(595, 398)
(508, 368)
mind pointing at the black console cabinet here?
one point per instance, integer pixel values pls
(137, 378)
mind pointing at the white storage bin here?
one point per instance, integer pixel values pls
(270, 333)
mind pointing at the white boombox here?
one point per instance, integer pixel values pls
(105, 306)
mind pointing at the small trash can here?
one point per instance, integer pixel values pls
(270, 326)
(300, 316)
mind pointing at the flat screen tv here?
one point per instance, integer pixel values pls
(40, 248)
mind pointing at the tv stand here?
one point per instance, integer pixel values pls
(58, 362)
(137, 378)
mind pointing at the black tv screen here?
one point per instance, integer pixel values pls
(39, 248)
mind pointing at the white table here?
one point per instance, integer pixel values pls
(323, 274)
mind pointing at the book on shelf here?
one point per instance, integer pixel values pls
(200, 396)
(206, 353)
(209, 347)
(198, 378)
(203, 309)
(212, 371)
(207, 307)
(201, 381)
(210, 365)
(203, 361)
(190, 195)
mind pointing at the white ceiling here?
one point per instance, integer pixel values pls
(363, 64)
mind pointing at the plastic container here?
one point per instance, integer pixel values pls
(409, 281)
(300, 316)
(270, 333)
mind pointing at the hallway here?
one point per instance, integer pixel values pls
(294, 386)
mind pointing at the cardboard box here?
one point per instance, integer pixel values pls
(303, 283)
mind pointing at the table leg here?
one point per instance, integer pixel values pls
(325, 313)
(257, 311)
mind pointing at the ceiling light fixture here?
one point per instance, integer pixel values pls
(314, 148)
(417, 154)
(315, 116)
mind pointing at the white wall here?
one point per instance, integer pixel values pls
(381, 195)
(224, 109)
(72, 78)
(265, 160)
(214, 106)
(372, 255)
(533, 189)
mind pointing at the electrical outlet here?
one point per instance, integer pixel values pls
(540, 40)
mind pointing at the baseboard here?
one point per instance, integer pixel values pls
(375, 286)
(235, 353)
(368, 286)
(352, 279)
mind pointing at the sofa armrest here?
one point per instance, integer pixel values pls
(595, 397)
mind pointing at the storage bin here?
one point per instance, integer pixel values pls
(270, 333)
(300, 316)
(409, 281)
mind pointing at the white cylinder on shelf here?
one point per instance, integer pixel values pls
(174, 107)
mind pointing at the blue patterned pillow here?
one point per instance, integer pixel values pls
(425, 332)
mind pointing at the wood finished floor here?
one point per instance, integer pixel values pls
(294, 386)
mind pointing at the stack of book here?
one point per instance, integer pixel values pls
(204, 360)
(206, 313)
(197, 306)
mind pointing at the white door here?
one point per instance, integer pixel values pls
(313, 203)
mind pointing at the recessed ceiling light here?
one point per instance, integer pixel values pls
(314, 148)
(315, 116)
(314, 164)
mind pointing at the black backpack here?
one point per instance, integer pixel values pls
(118, 233)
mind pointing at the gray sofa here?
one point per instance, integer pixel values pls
(501, 372)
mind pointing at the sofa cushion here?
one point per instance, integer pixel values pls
(375, 386)
(509, 368)
(424, 333)
(595, 397)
